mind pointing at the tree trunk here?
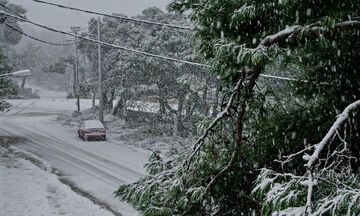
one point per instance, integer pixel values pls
(177, 121)
(105, 100)
(117, 106)
(162, 100)
(124, 106)
(162, 105)
(203, 100)
(188, 106)
(111, 98)
(196, 103)
(216, 101)
(74, 81)
(93, 100)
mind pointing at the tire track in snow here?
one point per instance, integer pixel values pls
(11, 115)
(15, 106)
(77, 150)
(79, 165)
(64, 154)
(72, 153)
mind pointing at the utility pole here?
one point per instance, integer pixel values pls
(76, 29)
(101, 98)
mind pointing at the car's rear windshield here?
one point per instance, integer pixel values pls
(93, 124)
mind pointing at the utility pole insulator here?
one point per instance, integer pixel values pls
(75, 29)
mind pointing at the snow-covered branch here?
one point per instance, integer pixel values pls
(315, 156)
(267, 42)
(334, 128)
(316, 29)
(281, 35)
(239, 125)
(337, 185)
(289, 158)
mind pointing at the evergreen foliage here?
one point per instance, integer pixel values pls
(6, 86)
(258, 124)
(57, 67)
(135, 77)
(8, 36)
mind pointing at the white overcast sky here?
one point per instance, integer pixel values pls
(64, 18)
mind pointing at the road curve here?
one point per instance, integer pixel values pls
(95, 168)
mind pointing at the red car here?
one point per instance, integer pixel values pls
(92, 129)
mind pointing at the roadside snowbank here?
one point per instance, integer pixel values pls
(25, 189)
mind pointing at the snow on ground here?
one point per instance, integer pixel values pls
(94, 169)
(27, 190)
(47, 94)
(140, 135)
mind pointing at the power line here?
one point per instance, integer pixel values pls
(24, 17)
(12, 11)
(29, 36)
(37, 39)
(107, 44)
(137, 51)
(115, 16)
(282, 78)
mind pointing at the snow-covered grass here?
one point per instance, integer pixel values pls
(25, 189)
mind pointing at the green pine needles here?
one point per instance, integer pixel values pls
(259, 121)
(6, 86)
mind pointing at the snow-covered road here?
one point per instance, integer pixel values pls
(94, 169)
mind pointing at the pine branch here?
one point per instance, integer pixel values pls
(315, 29)
(226, 112)
(315, 156)
(340, 193)
(334, 128)
(239, 126)
(280, 36)
(267, 42)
